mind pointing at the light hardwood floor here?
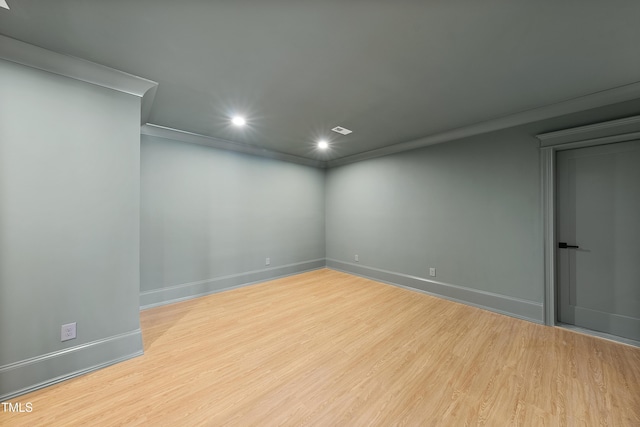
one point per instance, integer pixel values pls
(330, 349)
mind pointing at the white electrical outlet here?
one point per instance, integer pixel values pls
(267, 261)
(357, 259)
(68, 331)
(432, 272)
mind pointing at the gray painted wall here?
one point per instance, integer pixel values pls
(470, 208)
(69, 226)
(210, 217)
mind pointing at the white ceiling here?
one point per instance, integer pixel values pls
(390, 71)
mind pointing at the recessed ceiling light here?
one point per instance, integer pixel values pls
(238, 121)
(323, 145)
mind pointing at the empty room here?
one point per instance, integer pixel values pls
(323, 213)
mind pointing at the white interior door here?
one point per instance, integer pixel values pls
(598, 210)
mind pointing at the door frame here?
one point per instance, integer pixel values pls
(609, 132)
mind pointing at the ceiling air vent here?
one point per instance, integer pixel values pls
(341, 130)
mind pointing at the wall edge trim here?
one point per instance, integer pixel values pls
(580, 133)
(25, 376)
(502, 304)
(33, 56)
(70, 66)
(586, 102)
(191, 290)
(158, 131)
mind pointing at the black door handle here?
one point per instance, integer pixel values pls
(563, 245)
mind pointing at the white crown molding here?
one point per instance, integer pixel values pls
(79, 69)
(76, 68)
(223, 144)
(574, 105)
(608, 129)
(147, 102)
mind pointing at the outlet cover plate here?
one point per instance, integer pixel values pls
(68, 332)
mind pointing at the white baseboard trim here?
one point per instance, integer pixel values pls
(510, 306)
(185, 291)
(45, 370)
(599, 334)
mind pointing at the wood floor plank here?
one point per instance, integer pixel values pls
(327, 348)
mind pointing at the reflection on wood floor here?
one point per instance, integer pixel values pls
(331, 349)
